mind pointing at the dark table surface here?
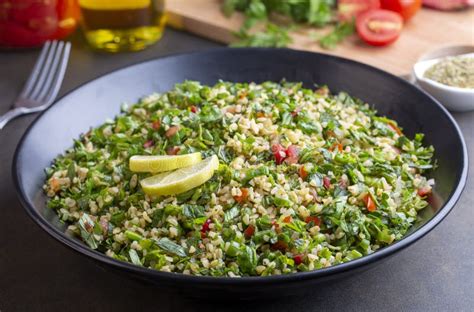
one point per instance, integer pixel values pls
(38, 274)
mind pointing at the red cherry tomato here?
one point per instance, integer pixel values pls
(379, 27)
(406, 8)
(26, 23)
(349, 9)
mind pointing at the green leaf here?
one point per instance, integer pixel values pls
(86, 227)
(231, 214)
(193, 211)
(338, 34)
(247, 260)
(171, 247)
(272, 37)
(134, 257)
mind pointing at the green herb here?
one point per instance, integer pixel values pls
(317, 13)
(247, 259)
(134, 257)
(89, 231)
(231, 214)
(272, 37)
(338, 34)
(171, 247)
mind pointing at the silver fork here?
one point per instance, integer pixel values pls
(44, 82)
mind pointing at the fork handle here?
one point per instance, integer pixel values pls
(11, 114)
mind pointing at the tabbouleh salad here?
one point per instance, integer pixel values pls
(305, 180)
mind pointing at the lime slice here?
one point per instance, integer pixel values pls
(181, 180)
(161, 163)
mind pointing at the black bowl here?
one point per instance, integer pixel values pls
(94, 102)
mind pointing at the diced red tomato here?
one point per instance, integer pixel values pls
(243, 197)
(287, 219)
(406, 8)
(148, 144)
(249, 231)
(369, 203)
(194, 109)
(205, 227)
(291, 155)
(313, 219)
(280, 245)
(379, 27)
(156, 124)
(173, 150)
(349, 9)
(172, 131)
(298, 259)
(303, 173)
(336, 145)
(279, 153)
(327, 182)
(423, 191)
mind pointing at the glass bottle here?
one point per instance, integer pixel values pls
(122, 25)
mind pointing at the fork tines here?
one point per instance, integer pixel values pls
(45, 80)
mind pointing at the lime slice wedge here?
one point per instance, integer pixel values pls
(161, 163)
(181, 180)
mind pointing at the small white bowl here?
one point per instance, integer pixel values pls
(453, 98)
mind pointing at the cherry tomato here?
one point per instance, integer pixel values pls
(406, 8)
(379, 27)
(349, 9)
(27, 23)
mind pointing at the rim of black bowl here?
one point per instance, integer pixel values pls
(406, 241)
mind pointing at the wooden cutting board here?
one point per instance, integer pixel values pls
(428, 30)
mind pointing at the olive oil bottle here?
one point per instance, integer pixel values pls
(122, 25)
